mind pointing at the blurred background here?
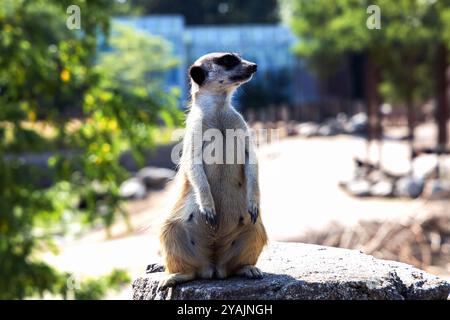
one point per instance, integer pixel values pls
(93, 94)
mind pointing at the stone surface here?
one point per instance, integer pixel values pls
(308, 129)
(358, 124)
(325, 130)
(132, 188)
(409, 187)
(383, 188)
(424, 166)
(359, 188)
(303, 271)
(155, 178)
(154, 267)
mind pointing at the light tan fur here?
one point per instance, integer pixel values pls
(226, 195)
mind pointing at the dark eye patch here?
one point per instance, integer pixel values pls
(229, 61)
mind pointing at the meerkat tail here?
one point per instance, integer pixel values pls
(176, 278)
(178, 252)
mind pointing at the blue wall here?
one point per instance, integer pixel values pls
(267, 45)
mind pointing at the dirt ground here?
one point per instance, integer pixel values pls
(299, 192)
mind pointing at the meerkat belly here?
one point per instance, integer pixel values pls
(228, 188)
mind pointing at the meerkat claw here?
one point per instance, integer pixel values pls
(254, 212)
(210, 217)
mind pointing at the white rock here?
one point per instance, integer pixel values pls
(132, 189)
(308, 129)
(359, 188)
(154, 177)
(382, 188)
(424, 166)
(409, 187)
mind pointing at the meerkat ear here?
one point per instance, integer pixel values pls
(197, 74)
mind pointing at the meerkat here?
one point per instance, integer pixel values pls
(214, 229)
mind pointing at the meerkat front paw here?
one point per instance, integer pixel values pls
(253, 210)
(209, 214)
(221, 272)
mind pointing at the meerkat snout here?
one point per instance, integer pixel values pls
(221, 71)
(253, 67)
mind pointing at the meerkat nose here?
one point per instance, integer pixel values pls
(252, 68)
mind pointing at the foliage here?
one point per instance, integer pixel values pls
(327, 30)
(58, 96)
(410, 31)
(95, 289)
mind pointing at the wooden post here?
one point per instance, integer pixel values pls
(373, 102)
(442, 112)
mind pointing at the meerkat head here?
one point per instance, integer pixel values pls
(220, 71)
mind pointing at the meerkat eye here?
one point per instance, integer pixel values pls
(228, 61)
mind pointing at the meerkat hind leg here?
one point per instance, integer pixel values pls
(176, 278)
(206, 272)
(221, 272)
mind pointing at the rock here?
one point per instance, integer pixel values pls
(425, 166)
(308, 129)
(358, 124)
(331, 127)
(155, 178)
(375, 175)
(291, 130)
(437, 189)
(409, 187)
(326, 131)
(304, 271)
(132, 188)
(337, 124)
(342, 120)
(96, 192)
(359, 188)
(383, 188)
(154, 267)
